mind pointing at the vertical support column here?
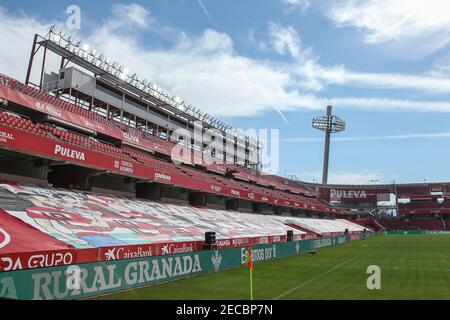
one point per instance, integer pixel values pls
(326, 154)
(43, 67)
(150, 191)
(232, 204)
(30, 62)
(197, 199)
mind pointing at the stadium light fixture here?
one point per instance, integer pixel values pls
(329, 124)
(56, 38)
(85, 47)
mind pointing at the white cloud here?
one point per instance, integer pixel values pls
(206, 72)
(343, 177)
(339, 75)
(286, 40)
(205, 69)
(131, 14)
(425, 22)
(16, 34)
(297, 5)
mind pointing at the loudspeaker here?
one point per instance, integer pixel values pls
(290, 236)
(210, 241)
(346, 232)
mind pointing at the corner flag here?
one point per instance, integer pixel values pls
(249, 259)
(249, 262)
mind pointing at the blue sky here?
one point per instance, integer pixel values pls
(384, 66)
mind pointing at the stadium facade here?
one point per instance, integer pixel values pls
(94, 174)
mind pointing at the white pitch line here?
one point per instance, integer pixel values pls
(325, 273)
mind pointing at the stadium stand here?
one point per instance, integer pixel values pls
(323, 227)
(425, 224)
(371, 223)
(394, 223)
(84, 219)
(279, 187)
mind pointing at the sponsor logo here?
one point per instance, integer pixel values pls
(224, 243)
(48, 109)
(5, 136)
(110, 254)
(260, 254)
(108, 277)
(436, 232)
(348, 194)
(235, 193)
(4, 238)
(264, 199)
(93, 125)
(36, 261)
(118, 253)
(216, 260)
(69, 153)
(174, 248)
(263, 240)
(322, 243)
(216, 188)
(124, 166)
(276, 239)
(131, 137)
(162, 176)
(239, 242)
(251, 195)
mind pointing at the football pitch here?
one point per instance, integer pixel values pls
(412, 267)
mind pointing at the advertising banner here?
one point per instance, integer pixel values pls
(147, 250)
(417, 232)
(24, 247)
(56, 112)
(85, 280)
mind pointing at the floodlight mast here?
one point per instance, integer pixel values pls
(330, 124)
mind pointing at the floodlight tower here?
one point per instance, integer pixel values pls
(330, 124)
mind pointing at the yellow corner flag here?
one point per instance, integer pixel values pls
(249, 262)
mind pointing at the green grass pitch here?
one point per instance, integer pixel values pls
(412, 267)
